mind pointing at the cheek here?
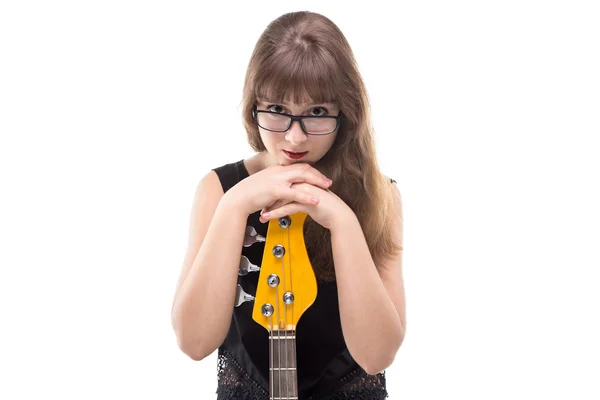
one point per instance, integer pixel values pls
(270, 141)
(331, 141)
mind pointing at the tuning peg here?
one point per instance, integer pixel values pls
(246, 266)
(241, 296)
(252, 237)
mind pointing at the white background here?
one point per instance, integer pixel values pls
(486, 113)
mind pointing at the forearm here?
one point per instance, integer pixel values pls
(202, 309)
(370, 323)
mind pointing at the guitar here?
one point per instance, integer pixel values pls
(286, 288)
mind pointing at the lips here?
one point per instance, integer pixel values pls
(294, 156)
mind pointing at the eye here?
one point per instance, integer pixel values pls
(273, 106)
(321, 111)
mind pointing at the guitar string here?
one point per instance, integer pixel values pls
(271, 372)
(292, 348)
(289, 345)
(285, 309)
(285, 334)
(293, 331)
(285, 326)
(278, 340)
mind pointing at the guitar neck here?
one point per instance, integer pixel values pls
(282, 365)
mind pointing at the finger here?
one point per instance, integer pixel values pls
(276, 204)
(302, 197)
(273, 206)
(265, 209)
(289, 195)
(288, 209)
(309, 174)
(283, 201)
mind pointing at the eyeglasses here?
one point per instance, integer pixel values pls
(311, 125)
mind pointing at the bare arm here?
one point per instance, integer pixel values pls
(204, 299)
(372, 306)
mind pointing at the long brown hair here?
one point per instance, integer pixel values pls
(304, 57)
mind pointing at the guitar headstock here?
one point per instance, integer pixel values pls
(287, 285)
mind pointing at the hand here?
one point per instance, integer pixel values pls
(274, 183)
(327, 213)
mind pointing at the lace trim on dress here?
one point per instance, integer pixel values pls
(233, 381)
(235, 384)
(357, 385)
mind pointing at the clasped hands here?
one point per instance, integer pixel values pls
(328, 211)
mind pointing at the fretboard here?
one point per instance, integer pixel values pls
(282, 365)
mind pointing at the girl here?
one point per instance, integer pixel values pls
(306, 113)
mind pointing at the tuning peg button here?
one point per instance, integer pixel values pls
(251, 237)
(288, 298)
(284, 222)
(241, 296)
(273, 280)
(267, 310)
(278, 251)
(246, 266)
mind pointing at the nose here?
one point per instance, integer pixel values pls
(295, 134)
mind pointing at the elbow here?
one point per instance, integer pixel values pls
(189, 344)
(192, 349)
(196, 340)
(195, 355)
(373, 367)
(375, 362)
(197, 348)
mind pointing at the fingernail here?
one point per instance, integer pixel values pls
(266, 215)
(315, 200)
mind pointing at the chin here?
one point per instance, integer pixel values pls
(286, 161)
(290, 162)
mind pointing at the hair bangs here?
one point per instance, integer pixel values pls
(302, 78)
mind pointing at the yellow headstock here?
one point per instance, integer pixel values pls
(285, 274)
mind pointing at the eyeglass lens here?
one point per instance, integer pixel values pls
(277, 122)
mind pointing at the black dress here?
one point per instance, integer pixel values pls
(325, 368)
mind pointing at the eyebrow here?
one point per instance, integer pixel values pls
(263, 100)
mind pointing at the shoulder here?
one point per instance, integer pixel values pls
(230, 174)
(209, 191)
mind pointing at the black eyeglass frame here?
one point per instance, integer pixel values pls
(299, 118)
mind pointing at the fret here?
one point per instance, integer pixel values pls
(282, 365)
